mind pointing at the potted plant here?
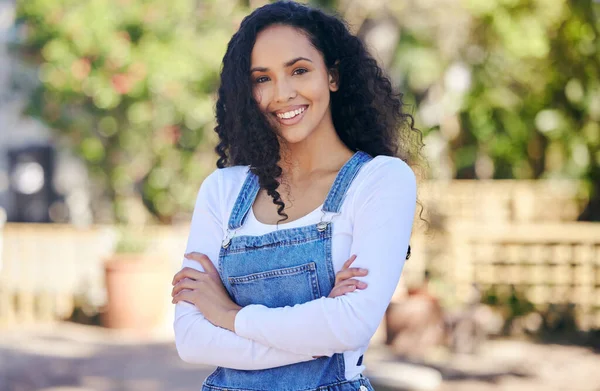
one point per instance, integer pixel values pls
(135, 282)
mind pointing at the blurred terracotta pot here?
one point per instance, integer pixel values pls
(136, 293)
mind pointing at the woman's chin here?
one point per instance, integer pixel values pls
(292, 139)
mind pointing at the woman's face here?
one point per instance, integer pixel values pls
(291, 82)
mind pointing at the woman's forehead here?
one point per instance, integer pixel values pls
(278, 44)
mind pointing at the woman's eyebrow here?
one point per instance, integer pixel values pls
(287, 64)
(295, 60)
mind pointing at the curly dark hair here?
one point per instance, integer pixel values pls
(367, 113)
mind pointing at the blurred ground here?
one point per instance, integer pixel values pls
(71, 357)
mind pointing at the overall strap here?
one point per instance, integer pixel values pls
(244, 201)
(336, 195)
(348, 172)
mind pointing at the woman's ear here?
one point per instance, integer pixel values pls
(334, 78)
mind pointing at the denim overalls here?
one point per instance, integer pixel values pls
(284, 268)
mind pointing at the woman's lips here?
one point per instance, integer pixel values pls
(293, 120)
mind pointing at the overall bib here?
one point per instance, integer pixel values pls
(284, 268)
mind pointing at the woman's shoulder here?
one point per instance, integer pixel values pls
(383, 169)
(233, 174)
(383, 178)
(224, 181)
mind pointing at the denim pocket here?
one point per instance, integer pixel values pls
(277, 288)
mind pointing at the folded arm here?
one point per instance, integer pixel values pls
(384, 211)
(199, 341)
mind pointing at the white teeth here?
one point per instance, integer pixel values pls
(291, 114)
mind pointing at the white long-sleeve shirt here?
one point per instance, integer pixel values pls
(375, 224)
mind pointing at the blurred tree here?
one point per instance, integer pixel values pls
(509, 88)
(534, 104)
(130, 85)
(504, 88)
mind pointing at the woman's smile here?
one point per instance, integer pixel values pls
(291, 115)
(291, 82)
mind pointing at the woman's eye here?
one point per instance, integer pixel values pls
(262, 79)
(300, 71)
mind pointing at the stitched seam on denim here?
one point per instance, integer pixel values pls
(339, 179)
(219, 388)
(288, 271)
(329, 258)
(213, 374)
(242, 248)
(238, 203)
(251, 197)
(364, 381)
(271, 245)
(326, 387)
(222, 272)
(341, 183)
(308, 232)
(341, 365)
(315, 283)
(272, 238)
(339, 192)
(342, 197)
(220, 266)
(241, 207)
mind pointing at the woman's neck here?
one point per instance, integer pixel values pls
(324, 151)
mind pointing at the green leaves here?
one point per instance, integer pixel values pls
(532, 104)
(131, 85)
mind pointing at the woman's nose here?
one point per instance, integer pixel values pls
(285, 91)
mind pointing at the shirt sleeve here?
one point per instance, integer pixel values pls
(384, 208)
(197, 340)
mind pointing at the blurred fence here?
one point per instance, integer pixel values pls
(550, 263)
(508, 201)
(501, 233)
(48, 270)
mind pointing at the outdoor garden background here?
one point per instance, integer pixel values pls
(106, 133)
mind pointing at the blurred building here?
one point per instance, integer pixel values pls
(38, 182)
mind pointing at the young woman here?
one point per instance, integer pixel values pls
(312, 177)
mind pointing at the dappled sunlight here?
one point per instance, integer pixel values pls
(107, 119)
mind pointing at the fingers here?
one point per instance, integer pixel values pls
(185, 295)
(348, 262)
(349, 273)
(188, 272)
(353, 282)
(341, 291)
(205, 261)
(192, 273)
(186, 283)
(347, 286)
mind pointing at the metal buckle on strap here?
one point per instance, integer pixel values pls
(322, 225)
(228, 236)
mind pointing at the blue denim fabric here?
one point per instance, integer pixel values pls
(284, 268)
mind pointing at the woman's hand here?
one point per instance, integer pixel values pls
(206, 291)
(344, 282)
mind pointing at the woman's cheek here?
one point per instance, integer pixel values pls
(314, 88)
(258, 95)
(262, 97)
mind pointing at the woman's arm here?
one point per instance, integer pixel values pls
(197, 340)
(384, 212)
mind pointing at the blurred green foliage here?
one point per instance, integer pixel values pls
(510, 88)
(131, 85)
